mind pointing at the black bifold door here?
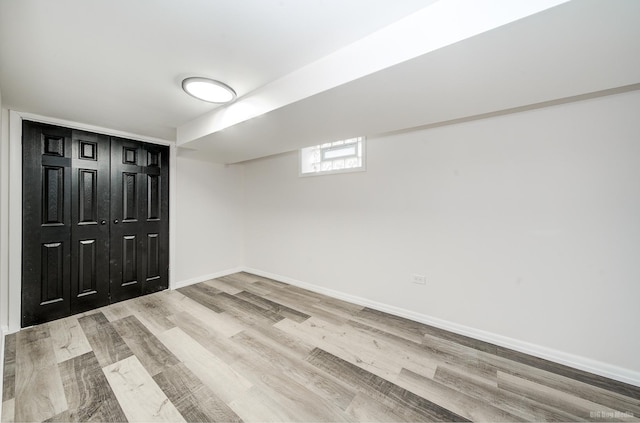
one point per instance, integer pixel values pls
(95, 221)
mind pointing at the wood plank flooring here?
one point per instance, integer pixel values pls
(247, 348)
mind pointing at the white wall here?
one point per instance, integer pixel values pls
(208, 219)
(527, 226)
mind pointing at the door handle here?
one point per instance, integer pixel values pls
(115, 221)
(103, 222)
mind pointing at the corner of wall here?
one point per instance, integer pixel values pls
(198, 279)
(4, 215)
(243, 209)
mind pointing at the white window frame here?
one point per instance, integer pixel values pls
(325, 150)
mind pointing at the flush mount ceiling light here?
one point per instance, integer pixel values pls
(209, 90)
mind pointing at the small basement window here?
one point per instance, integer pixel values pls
(333, 157)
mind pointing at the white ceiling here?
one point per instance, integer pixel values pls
(119, 63)
(306, 71)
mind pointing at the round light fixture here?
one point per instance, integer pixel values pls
(209, 90)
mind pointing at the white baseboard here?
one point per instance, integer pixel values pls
(198, 279)
(578, 362)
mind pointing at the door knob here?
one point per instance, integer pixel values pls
(103, 222)
(115, 221)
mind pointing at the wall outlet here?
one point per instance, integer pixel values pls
(419, 279)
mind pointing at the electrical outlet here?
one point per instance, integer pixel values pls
(419, 279)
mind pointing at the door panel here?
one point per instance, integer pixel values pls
(153, 257)
(87, 268)
(139, 205)
(129, 197)
(155, 209)
(154, 196)
(87, 196)
(52, 273)
(127, 192)
(129, 260)
(46, 245)
(90, 215)
(53, 198)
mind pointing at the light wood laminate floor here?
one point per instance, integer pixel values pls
(246, 348)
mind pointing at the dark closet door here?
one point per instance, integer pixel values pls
(156, 214)
(95, 221)
(46, 223)
(65, 211)
(140, 218)
(90, 184)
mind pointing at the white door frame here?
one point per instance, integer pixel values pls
(15, 200)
